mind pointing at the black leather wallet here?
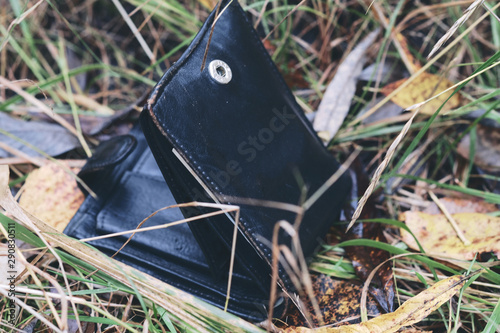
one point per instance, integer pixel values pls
(225, 134)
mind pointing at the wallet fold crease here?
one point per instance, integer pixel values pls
(243, 138)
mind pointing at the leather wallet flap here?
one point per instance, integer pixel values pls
(128, 191)
(244, 138)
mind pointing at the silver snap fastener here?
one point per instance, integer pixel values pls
(220, 71)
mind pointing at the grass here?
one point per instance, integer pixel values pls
(72, 56)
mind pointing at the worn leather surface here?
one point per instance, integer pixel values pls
(245, 139)
(129, 187)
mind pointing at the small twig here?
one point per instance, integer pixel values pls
(261, 14)
(44, 108)
(22, 155)
(217, 15)
(165, 225)
(283, 20)
(39, 161)
(450, 218)
(491, 12)
(333, 178)
(134, 29)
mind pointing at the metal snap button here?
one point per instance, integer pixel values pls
(220, 71)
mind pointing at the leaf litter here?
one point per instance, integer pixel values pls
(422, 88)
(338, 123)
(51, 194)
(49, 138)
(338, 96)
(410, 312)
(438, 237)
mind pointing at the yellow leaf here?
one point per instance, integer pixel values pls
(181, 305)
(52, 195)
(410, 312)
(437, 236)
(422, 88)
(457, 205)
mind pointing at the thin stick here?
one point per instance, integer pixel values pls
(450, 219)
(217, 15)
(21, 155)
(283, 20)
(30, 310)
(340, 171)
(44, 108)
(136, 32)
(156, 227)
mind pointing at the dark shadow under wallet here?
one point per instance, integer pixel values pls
(231, 130)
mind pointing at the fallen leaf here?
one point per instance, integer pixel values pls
(386, 72)
(487, 148)
(338, 300)
(437, 236)
(294, 78)
(93, 124)
(489, 118)
(410, 312)
(456, 205)
(422, 88)
(338, 95)
(386, 111)
(52, 195)
(49, 138)
(179, 304)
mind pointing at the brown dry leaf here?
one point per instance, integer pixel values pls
(410, 312)
(422, 88)
(457, 205)
(340, 91)
(173, 300)
(437, 236)
(338, 300)
(365, 259)
(52, 195)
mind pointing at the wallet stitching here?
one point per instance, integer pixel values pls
(252, 236)
(212, 261)
(189, 276)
